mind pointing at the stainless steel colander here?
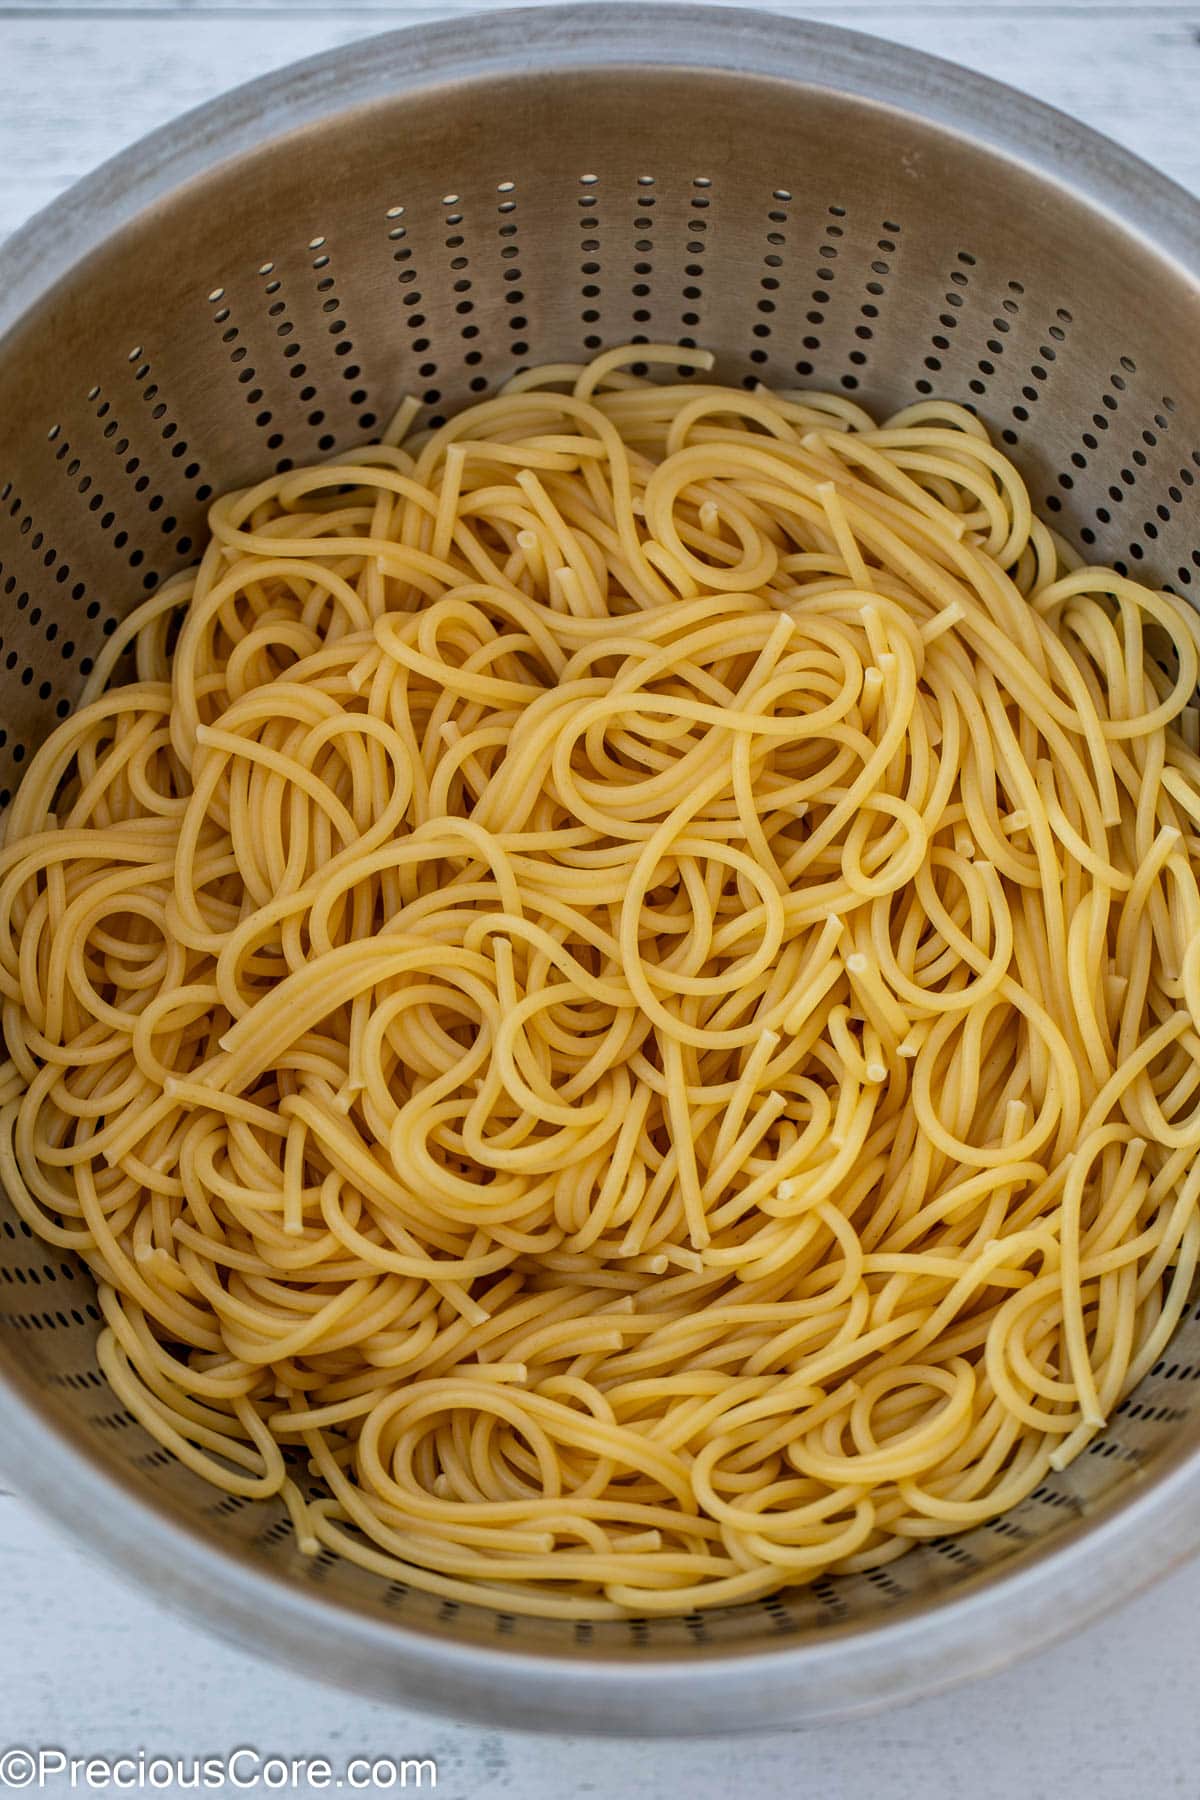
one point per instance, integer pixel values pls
(259, 285)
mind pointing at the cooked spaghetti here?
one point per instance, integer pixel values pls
(611, 992)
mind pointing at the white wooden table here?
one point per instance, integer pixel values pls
(93, 1667)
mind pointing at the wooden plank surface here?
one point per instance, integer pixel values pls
(94, 1666)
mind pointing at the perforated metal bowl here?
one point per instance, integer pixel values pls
(429, 211)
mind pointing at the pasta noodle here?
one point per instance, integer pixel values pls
(611, 992)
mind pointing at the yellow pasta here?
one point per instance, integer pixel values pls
(611, 992)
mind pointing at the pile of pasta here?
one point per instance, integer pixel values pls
(611, 992)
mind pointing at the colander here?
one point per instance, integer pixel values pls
(259, 285)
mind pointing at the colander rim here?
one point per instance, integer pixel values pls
(922, 1646)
